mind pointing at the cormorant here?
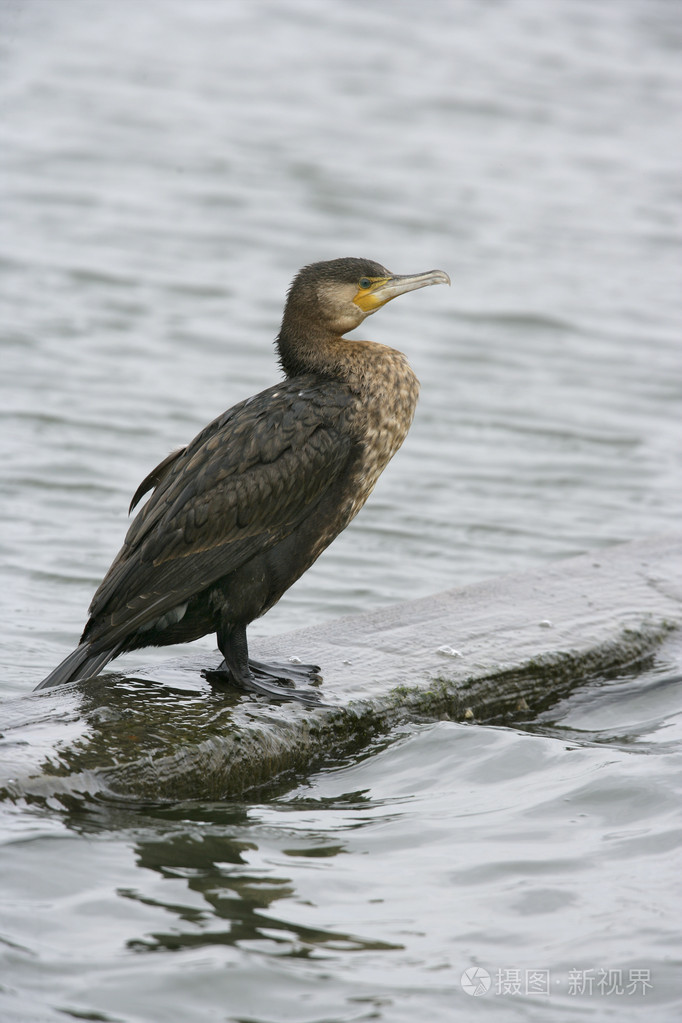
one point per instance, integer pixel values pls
(239, 514)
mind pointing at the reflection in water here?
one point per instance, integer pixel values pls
(209, 850)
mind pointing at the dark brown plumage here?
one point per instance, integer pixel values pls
(241, 512)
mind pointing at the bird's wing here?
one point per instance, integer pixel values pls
(244, 483)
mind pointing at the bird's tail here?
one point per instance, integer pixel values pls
(81, 663)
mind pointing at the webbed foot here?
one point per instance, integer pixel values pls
(277, 680)
(286, 671)
(267, 680)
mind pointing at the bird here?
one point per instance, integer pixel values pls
(236, 516)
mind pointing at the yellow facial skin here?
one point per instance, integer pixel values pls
(373, 292)
(366, 297)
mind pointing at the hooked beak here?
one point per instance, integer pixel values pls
(383, 289)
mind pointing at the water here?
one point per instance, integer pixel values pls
(165, 169)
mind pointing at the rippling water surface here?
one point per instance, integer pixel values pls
(165, 169)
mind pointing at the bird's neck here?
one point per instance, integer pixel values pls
(361, 364)
(303, 352)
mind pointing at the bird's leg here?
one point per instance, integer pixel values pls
(272, 680)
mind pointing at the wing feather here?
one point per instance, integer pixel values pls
(155, 477)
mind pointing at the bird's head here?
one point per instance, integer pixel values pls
(338, 294)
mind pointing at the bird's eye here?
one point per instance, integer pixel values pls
(365, 283)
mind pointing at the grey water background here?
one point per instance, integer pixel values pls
(165, 168)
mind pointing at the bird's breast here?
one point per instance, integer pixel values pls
(389, 400)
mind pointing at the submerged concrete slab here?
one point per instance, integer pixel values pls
(497, 650)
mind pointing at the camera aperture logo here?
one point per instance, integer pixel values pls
(475, 981)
